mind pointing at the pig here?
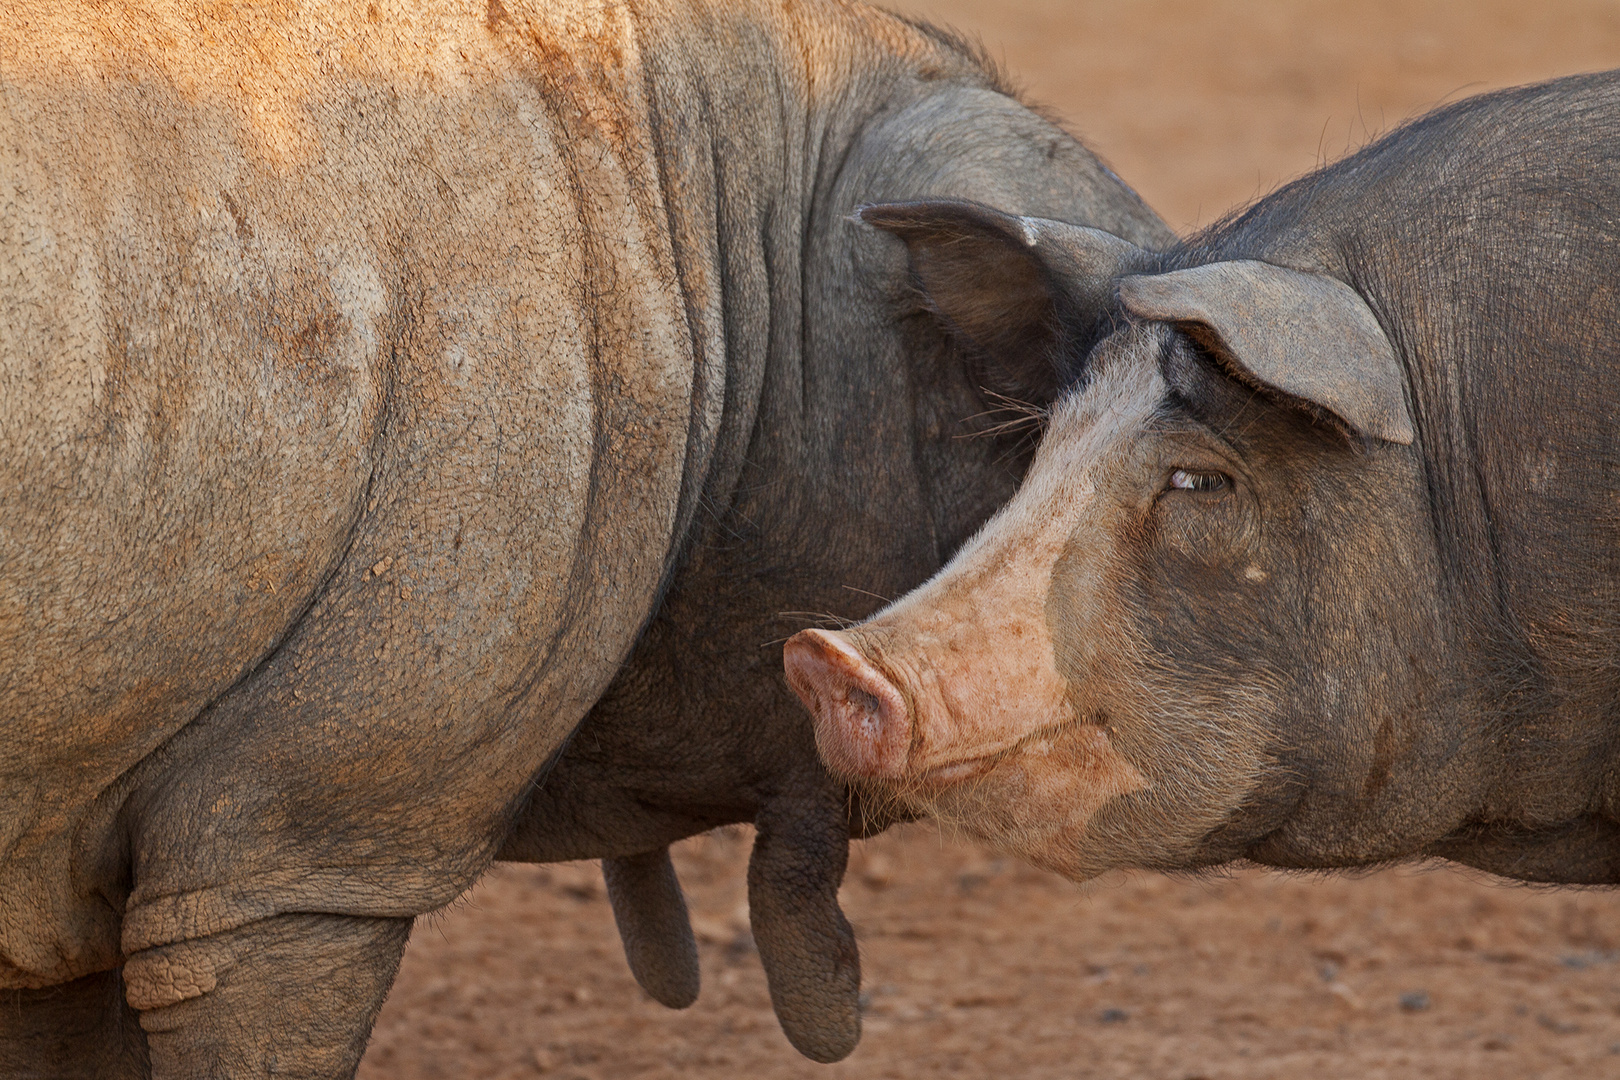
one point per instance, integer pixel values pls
(1318, 562)
(417, 419)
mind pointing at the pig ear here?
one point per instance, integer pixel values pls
(1310, 336)
(1027, 294)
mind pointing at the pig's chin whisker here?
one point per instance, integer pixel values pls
(953, 828)
(1008, 403)
(953, 806)
(1028, 419)
(971, 811)
(819, 620)
(868, 592)
(883, 801)
(888, 802)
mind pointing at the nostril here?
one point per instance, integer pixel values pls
(860, 717)
(863, 700)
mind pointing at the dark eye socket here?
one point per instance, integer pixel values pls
(1194, 480)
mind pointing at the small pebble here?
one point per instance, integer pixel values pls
(1113, 1016)
(1415, 1000)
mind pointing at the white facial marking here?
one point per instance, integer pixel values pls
(1254, 573)
(975, 651)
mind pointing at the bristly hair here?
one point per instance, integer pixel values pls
(971, 48)
(1026, 416)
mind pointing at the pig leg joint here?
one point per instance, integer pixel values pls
(155, 978)
(294, 994)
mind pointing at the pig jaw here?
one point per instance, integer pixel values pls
(974, 727)
(1039, 802)
(1026, 775)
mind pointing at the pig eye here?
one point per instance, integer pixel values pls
(1190, 480)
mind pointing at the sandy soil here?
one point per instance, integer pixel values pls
(979, 967)
(976, 966)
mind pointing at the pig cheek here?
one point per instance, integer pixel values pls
(1037, 801)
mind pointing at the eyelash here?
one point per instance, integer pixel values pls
(1190, 480)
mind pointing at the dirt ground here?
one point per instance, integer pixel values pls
(982, 967)
(979, 967)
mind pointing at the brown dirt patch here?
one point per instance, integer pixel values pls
(977, 966)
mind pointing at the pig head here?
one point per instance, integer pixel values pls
(1137, 661)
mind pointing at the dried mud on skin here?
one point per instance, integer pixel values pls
(977, 966)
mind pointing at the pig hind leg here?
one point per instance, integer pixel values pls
(76, 1031)
(291, 995)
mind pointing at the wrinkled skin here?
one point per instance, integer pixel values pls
(385, 392)
(1314, 597)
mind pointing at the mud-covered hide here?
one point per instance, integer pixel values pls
(386, 387)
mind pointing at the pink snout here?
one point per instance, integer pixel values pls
(862, 728)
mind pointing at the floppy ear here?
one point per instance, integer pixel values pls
(1309, 336)
(1026, 294)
